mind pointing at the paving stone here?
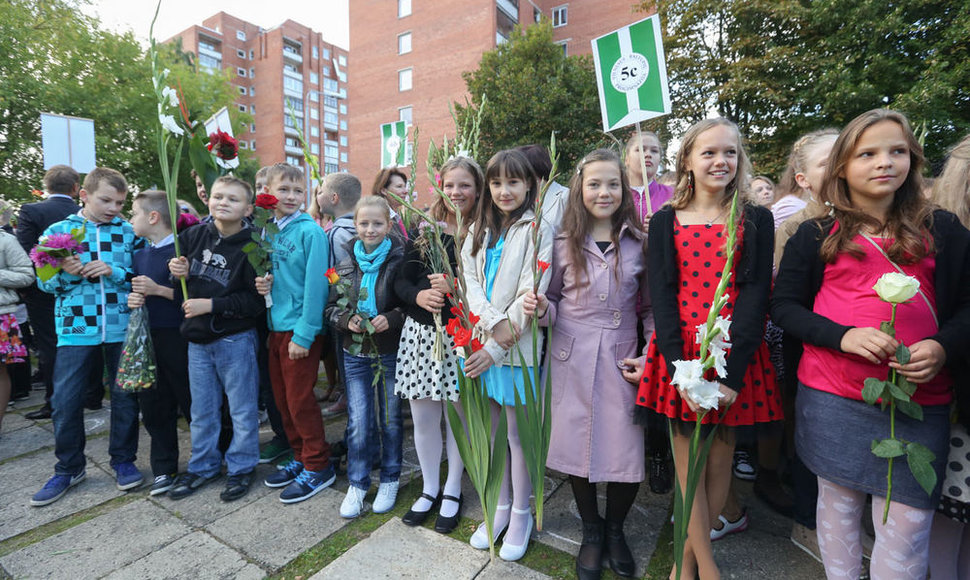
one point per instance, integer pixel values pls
(204, 506)
(405, 552)
(29, 438)
(502, 570)
(25, 476)
(197, 555)
(295, 527)
(13, 421)
(98, 546)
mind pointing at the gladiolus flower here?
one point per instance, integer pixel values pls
(332, 276)
(223, 146)
(169, 124)
(170, 94)
(477, 345)
(543, 266)
(266, 201)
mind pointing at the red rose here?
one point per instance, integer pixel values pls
(266, 201)
(223, 146)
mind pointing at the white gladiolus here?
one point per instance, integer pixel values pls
(169, 124)
(170, 94)
(896, 288)
(705, 393)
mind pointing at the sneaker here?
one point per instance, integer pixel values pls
(743, 468)
(353, 503)
(729, 527)
(188, 483)
(273, 451)
(236, 486)
(308, 484)
(128, 476)
(285, 474)
(55, 488)
(806, 540)
(386, 496)
(162, 484)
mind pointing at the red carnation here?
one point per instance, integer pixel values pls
(223, 146)
(266, 201)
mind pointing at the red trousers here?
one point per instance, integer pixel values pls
(293, 382)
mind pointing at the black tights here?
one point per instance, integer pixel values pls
(619, 499)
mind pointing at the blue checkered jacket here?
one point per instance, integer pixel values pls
(93, 311)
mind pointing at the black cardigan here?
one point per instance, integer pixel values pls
(751, 288)
(800, 277)
(413, 278)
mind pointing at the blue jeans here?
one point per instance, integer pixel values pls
(362, 445)
(227, 365)
(72, 368)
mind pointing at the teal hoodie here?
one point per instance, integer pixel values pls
(301, 254)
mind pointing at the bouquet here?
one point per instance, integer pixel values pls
(137, 369)
(51, 250)
(259, 251)
(896, 393)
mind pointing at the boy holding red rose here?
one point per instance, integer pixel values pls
(299, 293)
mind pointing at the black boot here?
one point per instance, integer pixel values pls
(589, 562)
(621, 559)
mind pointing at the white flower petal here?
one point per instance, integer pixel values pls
(169, 124)
(896, 288)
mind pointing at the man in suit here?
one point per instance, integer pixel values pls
(63, 184)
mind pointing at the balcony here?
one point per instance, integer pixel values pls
(291, 131)
(297, 112)
(209, 52)
(291, 53)
(511, 9)
(293, 74)
(292, 149)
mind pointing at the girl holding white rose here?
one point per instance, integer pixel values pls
(687, 256)
(826, 295)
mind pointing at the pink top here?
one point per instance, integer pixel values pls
(847, 297)
(659, 195)
(786, 207)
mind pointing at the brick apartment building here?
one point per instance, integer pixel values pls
(273, 68)
(409, 56)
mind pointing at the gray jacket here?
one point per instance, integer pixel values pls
(16, 271)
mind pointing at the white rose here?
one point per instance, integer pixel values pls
(896, 288)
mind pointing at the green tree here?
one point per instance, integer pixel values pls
(533, 89)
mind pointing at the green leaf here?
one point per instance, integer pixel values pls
(256, 237)
(897, 393)
(920, 452)
(920, 460)
(887, 328)
(255, 260)
(911, 409)
(873, 390)
(902, 354)
(354, 349)
(888, 448)
(362, 294)
(249, 247)
(904, 384)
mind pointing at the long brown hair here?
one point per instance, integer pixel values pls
(439, 209)
(910, 215)
(576, 222)
(684, 189)
(384, 179)
(509, 163)
(798, 161)
(952, 189)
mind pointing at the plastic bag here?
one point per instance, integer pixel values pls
(137, 369)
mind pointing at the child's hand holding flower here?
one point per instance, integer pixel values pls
(179, 267)
(264, 284)
(535, 304)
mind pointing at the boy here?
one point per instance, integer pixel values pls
(151, 288)
(91, 291)
(299, 292)
(221, 315)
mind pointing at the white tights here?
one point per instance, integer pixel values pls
(426, 415)
(902, 544)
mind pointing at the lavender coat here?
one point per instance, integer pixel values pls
(594, 326)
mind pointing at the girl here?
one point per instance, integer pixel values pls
(16, 271)
(879, 223)
(599, 278)
(648, 148)
(763, 190)
(395, 181)
(803, 176)
(372, 266)
(950, 539)
(687, 256)
(497, 258)
(423, 379)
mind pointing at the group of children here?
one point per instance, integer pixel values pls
(634, 267)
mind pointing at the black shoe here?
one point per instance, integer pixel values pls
(42, 413)
(589, 561)
(236, 486)
(187, 483)
(446, 525)
(661, 477)
(621, 559)
(413, 518)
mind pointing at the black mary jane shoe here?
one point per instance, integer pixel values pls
(590, 552)
(621, 558)
(446, 525)
(414, 518)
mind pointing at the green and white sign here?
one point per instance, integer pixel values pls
(394, 137)
(631, 74)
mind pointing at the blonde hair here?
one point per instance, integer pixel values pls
(373, 201)
(798, 161)
(952, 189)
(684, 189)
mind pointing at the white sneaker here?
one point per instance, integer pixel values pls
(386, 496)
(353, 503)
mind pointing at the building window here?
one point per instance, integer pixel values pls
(315, 96)
(252, 91)
(315, 148)
(537, 14)
(291, 84)
(252, 145)
(560, 16)
(314, 78)
(242, 90)
(343, 157)
(297, 104)
(343, 109)
(316, 52)
(241, 71)
(329, 101)
(331, 85)
(563, 45)
(252, 73)
(252, 128)
(405, 114)
(343, 125)
(329, 118)
(343, 140)
(242, 108)
(330, 168)
(404, 43)
(403, 8)
(326, 71)
(314, 113)
(404, 79)
(241, 53)
(243, 145)
(342, 59)
(203, 45)
(241, 35)
(314, 131)
(326, 54)
(294, 161)
(330, 152)
(252, 108)
(209, 62)
(289, 121)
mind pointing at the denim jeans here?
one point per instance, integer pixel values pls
(73, 368)
(361, 444)
(227, 365)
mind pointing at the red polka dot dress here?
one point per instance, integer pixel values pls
(701, 257)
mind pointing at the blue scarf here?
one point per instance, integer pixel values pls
(370, 265)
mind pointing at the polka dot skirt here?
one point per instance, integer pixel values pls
(418, 374)
(955, 501)
(700, 254)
